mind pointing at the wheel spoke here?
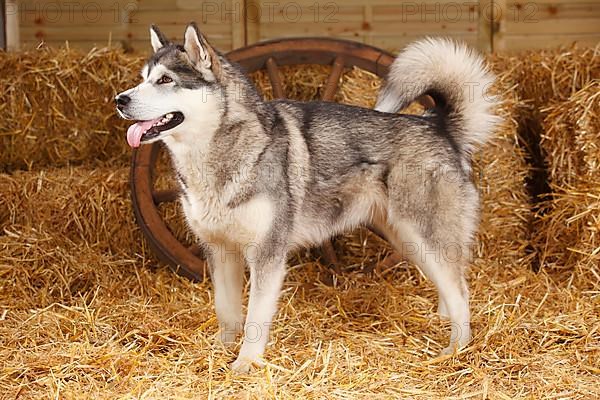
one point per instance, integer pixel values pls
(196, 250)
(275, 79)
(165, 196)
(329, 255)
(334, 77)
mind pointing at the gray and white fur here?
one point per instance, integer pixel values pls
(260, 179)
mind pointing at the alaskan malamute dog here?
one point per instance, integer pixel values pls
(260, 178)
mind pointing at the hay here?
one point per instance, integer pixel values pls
(568, 232)
(57, 107)
(359, 88)
(501, 172)
(83, 205)
(559, 125)
(77, 321)
(541, 77)
(87, 312)
(572, 135)
(567, 229)
(303, 84)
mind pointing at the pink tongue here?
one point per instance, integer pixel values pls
(135, 131)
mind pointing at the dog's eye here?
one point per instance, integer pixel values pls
(164, 79)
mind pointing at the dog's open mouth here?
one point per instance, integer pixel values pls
(142, 131)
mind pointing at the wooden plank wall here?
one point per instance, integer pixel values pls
(3, 41)
(490, 25)
(12, 25)
(522, 24)
(389, 24)
(125, 23)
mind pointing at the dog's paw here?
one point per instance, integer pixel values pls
(453, 348)
(244, 365)
(447, 351)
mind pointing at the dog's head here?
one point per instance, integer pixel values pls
(180, 91)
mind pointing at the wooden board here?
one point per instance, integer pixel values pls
(3, 41)
(523, 25)
(490, 25)
(386, 23)
(126, 23)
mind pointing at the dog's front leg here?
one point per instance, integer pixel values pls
(266, 279)
(227, 274)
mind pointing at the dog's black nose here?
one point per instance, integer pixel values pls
(122, 100)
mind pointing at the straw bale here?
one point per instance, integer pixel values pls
(559, 124)
(501, 172)
(90, 207)
(542, 77)
(299, 83)
(57, 107)
(359, 88)
(568, 232)
(567, 228)
(548, 83)
(559, 127)
(571, 136)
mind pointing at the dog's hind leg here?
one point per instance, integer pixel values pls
(266, 280)
(443, 309)
(454, 297)
(227, 274)
(444, 265)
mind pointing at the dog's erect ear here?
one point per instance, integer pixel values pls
(200, 53)
(157, 38)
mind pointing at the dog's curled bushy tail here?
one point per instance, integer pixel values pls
(457, 80)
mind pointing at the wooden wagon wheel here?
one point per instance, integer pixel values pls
(340, 54)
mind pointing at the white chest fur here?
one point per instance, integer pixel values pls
(208, 204)
(214, 221)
